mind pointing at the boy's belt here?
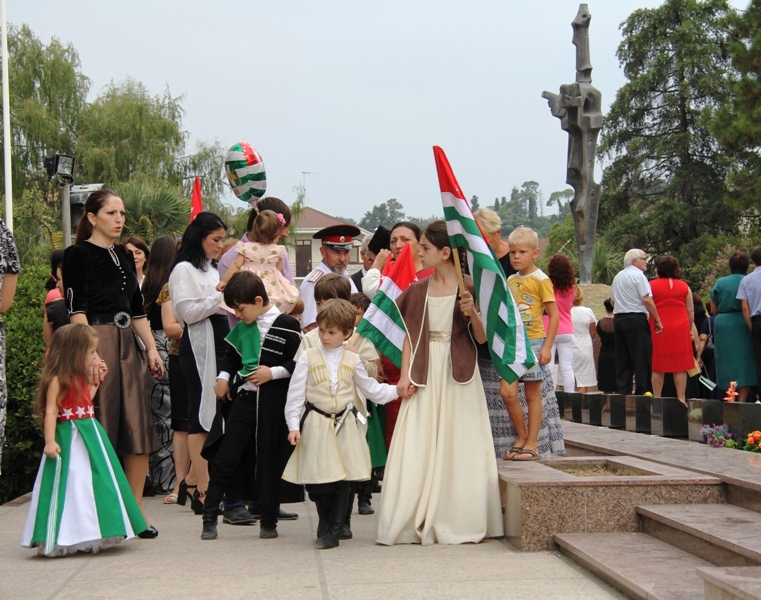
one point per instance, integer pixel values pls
(339, 416)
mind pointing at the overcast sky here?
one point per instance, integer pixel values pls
(355, 91)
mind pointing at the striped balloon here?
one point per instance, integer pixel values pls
(245, 171)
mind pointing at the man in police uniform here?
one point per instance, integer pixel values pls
(336, 245)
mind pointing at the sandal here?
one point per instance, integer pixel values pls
(171, 499)
(515, 450)
(196, 502)
(183, 493)
(533, 455)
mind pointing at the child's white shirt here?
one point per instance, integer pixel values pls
(380, 393)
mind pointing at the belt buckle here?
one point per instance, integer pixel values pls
(122, 320)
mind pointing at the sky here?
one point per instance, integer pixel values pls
(355, 92)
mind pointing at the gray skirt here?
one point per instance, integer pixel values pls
(123, 402)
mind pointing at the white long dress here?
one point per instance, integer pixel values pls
(583, 352)
(440, 484)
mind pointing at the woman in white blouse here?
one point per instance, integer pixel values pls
(196, 304)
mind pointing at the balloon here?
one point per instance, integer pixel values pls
(245, 171)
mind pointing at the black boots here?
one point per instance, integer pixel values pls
(334, 506)
(365, 496)
(209, 530)
(346, 533)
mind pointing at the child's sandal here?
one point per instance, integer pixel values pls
(515, 451)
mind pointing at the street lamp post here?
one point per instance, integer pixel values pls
(63, 166)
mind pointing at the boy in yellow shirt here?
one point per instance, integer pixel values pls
(534, 295)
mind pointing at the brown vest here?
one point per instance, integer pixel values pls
(413, 306)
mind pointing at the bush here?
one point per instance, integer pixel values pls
(24, 351)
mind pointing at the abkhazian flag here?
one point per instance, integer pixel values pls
(382, 323)
(196, 200)
(505, 335)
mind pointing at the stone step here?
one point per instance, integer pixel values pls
(638, 565)
(732, 583)
(722, 534)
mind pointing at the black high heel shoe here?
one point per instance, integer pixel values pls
(183, 493)
(195, 503)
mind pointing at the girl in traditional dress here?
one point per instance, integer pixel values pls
(263, 256)
(440, 484)
(81, 500)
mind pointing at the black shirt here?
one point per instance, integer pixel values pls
(101, 281)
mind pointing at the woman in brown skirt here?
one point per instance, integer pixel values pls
(102, 290)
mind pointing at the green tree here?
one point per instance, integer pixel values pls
(561, 199)
(664, 188)
(386, 214)
(736, 122)
(127, 131)
(153, 209)
(48, 93)
(474, 205)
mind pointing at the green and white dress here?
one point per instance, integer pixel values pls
(81, 501)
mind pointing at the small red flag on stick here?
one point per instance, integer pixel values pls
(196, 201)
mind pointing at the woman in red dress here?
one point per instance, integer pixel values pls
(672, 348)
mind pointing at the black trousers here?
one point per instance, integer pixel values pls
(634, 353)
(755, 330)
(240, 435)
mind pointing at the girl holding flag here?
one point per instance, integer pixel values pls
(441, 482)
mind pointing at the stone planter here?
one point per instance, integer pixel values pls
(574, 398)
(668, 417)
(638, 414)
(561, 398)
(613, 411)
(594, 403)
(742, 418)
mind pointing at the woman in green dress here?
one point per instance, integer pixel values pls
(733, 343)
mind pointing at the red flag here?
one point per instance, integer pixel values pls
(196, 202)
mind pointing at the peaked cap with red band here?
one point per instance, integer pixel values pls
(338, 237)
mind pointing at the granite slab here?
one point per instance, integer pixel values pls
(613, 413)
(722, 583)
(722, 534)
(638, 414)
(637, 564)
(668, 417)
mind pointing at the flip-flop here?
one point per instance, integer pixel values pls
(514, 450)
(533, 455)
(171, 499)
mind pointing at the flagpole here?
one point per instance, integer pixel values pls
(8, 173)
(458, 268)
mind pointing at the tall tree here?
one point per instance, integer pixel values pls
(48, 93)
(386, 214)
(126, 130)
(664, 188)
(474, 205)
(736, 123)
(563, 200)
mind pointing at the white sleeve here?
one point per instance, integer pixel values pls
(189, 302)
(380, 393)
(296, 394)
(310, 308)
(371, 282)
(279, 373)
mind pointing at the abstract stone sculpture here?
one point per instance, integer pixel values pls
(579, 108)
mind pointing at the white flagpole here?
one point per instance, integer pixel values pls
(6, 123)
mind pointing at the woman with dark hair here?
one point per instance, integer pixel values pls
(733, 343)
(606, 362)
(159, 266)
(404, 232)
(672, 347)
(560, 272)
(140, 253)
(102, 290)
(441, 481)
(54, 313)
(196, 304)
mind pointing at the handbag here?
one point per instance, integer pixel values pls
(709, 342)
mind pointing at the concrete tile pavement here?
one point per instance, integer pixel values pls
(240, 565)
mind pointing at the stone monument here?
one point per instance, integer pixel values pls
(579, 108)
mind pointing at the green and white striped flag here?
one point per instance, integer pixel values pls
(507, 338)
(382, 323)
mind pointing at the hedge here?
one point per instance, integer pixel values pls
(24, 351)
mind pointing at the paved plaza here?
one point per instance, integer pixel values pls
(239, 565)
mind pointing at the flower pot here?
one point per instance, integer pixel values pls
(613, 413)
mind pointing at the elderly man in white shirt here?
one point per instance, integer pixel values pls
(632, 301)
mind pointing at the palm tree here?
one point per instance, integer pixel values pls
(154, 209)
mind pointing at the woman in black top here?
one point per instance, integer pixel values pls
(606, 361)
(102, 290)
